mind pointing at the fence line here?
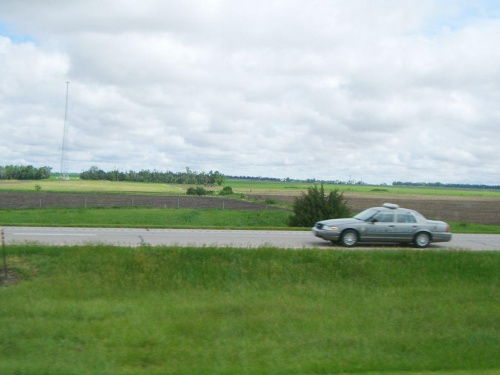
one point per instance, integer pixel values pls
(47, 200)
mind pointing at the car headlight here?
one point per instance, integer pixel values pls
(331, 228)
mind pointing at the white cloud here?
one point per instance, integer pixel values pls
(378, 90)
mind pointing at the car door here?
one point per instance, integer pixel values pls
(381, 227)
(406, 225)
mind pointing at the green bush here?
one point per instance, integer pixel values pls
(199, 190)
(227, 190)
(316, 205)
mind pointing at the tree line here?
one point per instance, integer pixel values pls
(439, 184)
(20, 172)
(288, 179)
(188, 177)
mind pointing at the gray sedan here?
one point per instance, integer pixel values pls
(389, 223)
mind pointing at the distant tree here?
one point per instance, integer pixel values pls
(94, 173)
(219, 178)
(316, 205)
(227, 190)
(19, 172)
(189, 177)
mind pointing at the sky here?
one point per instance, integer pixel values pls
(363, 90)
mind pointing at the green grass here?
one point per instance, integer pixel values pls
(87, 186)
(256, 187)
(144, 218)
(460, 227)
(110, 310)
(172, 218)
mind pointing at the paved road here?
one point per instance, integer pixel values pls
(222, 238)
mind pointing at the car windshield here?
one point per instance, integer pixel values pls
(366, 214)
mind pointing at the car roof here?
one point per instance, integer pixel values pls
(392, 207)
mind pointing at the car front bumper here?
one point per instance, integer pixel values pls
(327, 235)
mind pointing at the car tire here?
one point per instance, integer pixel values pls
(422, 240)
(349, 238)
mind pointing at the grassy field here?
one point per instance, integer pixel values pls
(172, 218)
(239, 186)
(87, 186)
(151, 218)
(103, 310)
(256, 187)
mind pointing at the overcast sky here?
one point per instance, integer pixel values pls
(371, 90)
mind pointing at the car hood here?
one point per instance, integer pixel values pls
(337, 222)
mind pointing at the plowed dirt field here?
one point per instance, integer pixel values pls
(45, 200)
(480, 210)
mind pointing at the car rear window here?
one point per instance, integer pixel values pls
(406, 217)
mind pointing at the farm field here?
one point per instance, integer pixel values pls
(239, 186)
(293, 188)
(472, 206)
(483, 211)
(88, 186)
(158, 310)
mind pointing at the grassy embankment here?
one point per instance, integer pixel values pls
(145, 218)
(101, 310)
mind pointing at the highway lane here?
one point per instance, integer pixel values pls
(219, 238)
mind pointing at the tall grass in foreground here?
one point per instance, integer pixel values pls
(157, 310)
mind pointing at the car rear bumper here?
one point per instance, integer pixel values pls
(441, 237)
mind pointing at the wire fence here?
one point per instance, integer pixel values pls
(47, 200)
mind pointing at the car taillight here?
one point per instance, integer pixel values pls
(447, 228)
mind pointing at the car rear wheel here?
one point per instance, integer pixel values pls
(349, 238)
(422, 240)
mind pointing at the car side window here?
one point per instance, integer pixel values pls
(406, 217)
(384, 217)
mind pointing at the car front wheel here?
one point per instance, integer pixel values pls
(349, 238)
(422, 240)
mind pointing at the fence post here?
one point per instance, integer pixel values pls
(3, 255)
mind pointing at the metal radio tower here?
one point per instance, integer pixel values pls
(64, 161)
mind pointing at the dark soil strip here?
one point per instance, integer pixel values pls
(45, 200)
